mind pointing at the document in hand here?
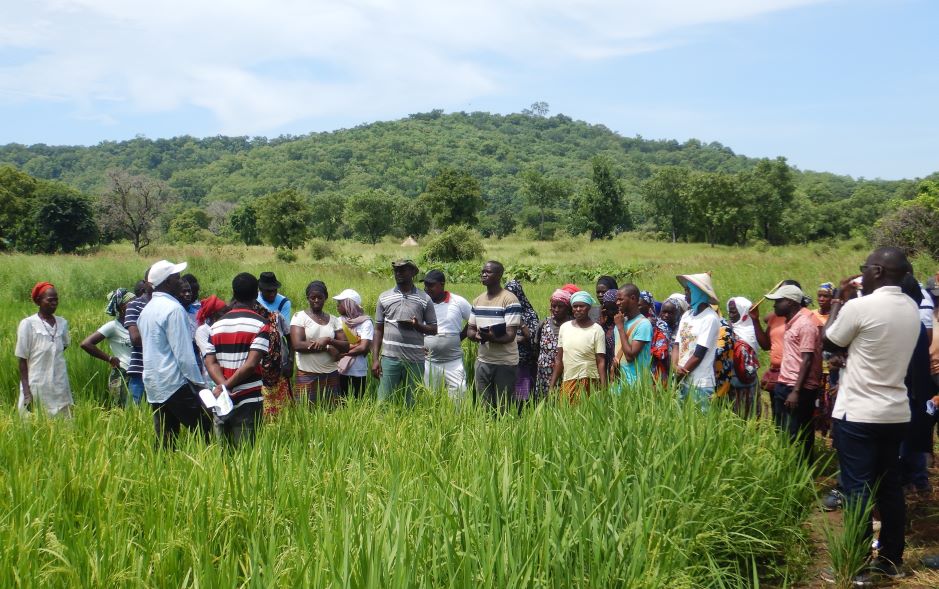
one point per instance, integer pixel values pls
(221, 405)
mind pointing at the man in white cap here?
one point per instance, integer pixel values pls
(800, 371)
(696, 339)
(171, 373)
(443, 365)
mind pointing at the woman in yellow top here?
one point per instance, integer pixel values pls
(581, 357)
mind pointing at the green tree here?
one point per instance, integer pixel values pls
(328, 218)
(369, 215)
(244, 220)
(771, 184)
(543, 193)
(599, 208)
(412, 217)
(713, 200)
(16, 193)
(452, 198)
(664, 193)
(189, 226)
(62, 219)
(284, 219)
(131, 206)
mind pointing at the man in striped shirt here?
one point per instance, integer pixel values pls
(239, 341)
(404, 315)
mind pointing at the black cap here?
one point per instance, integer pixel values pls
(268, 280)
(435, 276)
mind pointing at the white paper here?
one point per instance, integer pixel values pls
(221, 405)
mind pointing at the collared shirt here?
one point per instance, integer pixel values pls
(802, 335)
(880, 332)
(451, 312)
(131, 314)
(280, 305)
(169, 360)
(394, 306)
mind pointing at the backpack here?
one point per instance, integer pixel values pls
(724, 359)
(746, 362)
(272, 362)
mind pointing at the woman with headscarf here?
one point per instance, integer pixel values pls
(672, 309)
(606, 284)
(830, 371)
(360, 331)
(580, 366)
(660, 345)
(41, 340)
(318, 340)
(546, 341)
(526, 356)
(118, 340)
(744, 393)
(608, 310)
(210, 310)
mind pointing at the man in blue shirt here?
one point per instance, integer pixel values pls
(171, 373)
(268, 285)
(633, 335)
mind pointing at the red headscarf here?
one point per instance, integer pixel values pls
(40, 288)
(210, 306)
(571, 288)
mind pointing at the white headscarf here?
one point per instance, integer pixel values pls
(678, 299)
(743, 329)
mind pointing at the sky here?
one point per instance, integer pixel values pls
(845, 86)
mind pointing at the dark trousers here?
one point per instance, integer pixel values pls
(352, 386)
(241, 425)
(868, 454)
(495, 383)
(796, 422)
(183, 408)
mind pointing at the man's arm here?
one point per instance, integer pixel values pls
(762, 337)
(510, 332)
(376, 349)
(177, 336)
(245, 372)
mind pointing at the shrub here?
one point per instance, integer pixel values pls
(912, 228)
(457, 243)
(286, 255)
(321, 249)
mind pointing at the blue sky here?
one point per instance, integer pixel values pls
(847, 86)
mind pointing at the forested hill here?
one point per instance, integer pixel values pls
(398, 156)
(401, 157)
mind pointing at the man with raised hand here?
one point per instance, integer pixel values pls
(403, 316)
(872, 411)
(171, 374)
(493, 324)
(444, 361)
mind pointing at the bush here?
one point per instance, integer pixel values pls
(321, 249)
(911, 228)
(456, 244)
(286, 255)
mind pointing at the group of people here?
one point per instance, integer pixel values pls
(863, 368)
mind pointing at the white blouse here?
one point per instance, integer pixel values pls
(43, 348)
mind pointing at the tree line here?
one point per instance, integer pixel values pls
(527, 174)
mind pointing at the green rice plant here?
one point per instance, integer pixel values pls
(849, 547)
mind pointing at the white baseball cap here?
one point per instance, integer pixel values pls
(162, 270)
(787, 291)
(349, 294)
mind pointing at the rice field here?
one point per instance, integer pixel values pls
(629, 491)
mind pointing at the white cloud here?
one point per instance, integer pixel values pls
(359, 58)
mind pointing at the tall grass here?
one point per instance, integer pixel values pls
(849, 547)
(631, 491)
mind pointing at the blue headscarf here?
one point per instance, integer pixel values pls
(583, 296)
(698, 297)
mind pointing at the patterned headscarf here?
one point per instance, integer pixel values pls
(117, 298)
(678, 299)
(646, 296)
(609, 296)
(827, 288)
(529, 317)
(561, 296)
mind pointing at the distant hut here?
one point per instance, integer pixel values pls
(409, 242)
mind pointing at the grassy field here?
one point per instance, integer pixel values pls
(627, 492)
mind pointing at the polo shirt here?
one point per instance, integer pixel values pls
(238, 333)
(802, 335)
(394, 306)
(451, 312)
(169, 359)
(880, 331)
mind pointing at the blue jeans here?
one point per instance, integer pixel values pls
(700, 395)
(396, 374)
(869, 457)
(913, 467)
(135, 384)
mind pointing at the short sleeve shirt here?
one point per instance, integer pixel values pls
(880, 331)
(316, 362)
(131, 315)
(641, 332)
(395, 306)
(497, 313)
(238, 333)
(699, 330)
(580, 347)
(119, 341)
(451, 313)
(802, 335)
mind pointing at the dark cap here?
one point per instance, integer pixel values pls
(402, 263)
(268, 280)
(435, 277)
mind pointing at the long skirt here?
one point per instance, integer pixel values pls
(317, 389)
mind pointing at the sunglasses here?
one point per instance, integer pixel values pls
(864, 267)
